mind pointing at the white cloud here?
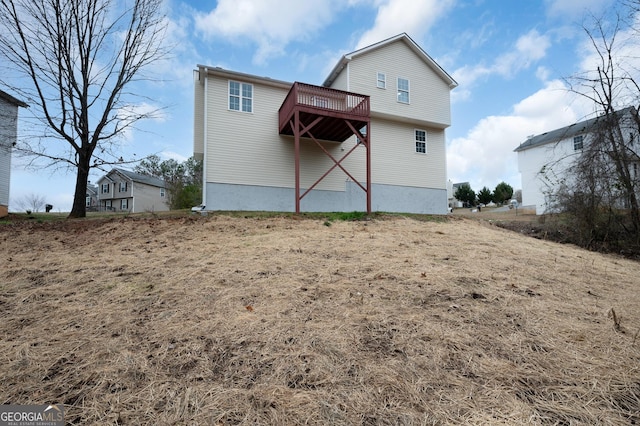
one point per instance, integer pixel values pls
(271, 24)
(485, 156)
(397, 16)
(528, 49)
(171, 155)
(575, 9)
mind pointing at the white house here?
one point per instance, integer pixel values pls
(8, 136)
(127, 191)
(543, 160)
(371, 137)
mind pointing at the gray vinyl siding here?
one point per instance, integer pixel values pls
(342, 80)
(246, 148)
(8, 135)
(146, 198)
(429, 94)
(198, 114)
(396, 162)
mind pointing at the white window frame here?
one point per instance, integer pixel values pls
(88, 202)
(578, 143)
(241, 96)
(381, 80)
(121, 186)
(124, 204)
(162, 192)
(420, 141)
(404, 91)
(104, 188)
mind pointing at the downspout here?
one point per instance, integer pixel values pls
(204, 136)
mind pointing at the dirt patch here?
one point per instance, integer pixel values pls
(222, 320)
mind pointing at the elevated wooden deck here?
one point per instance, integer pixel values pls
(335, 107)
(319, 113)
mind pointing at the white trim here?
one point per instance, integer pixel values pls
(204, 136)
(415, 141)
(384, 80)
(240, 96)
(408, 102)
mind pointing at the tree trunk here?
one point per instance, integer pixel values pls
(79, 208)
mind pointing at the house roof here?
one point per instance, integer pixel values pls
(139, 177)
(567, 132)
(243, 76)
(7, 97)
(342, 63)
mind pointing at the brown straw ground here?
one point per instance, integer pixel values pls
(223, 320)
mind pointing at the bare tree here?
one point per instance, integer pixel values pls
(31, 202)
(602, 189)
(76, 61)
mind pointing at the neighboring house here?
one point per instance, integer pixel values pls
(92, 202)
(123, 190)
(8, 137)
(544, 160)
(373, 136)
(453, 201)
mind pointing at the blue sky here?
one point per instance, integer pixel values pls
(509, 58)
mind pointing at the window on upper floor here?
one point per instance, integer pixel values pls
(403, 90)
(123, 187)
(421, 141)
(162, 192)
(578, 143)
(382, 81)
(104, 188)
(240, 96)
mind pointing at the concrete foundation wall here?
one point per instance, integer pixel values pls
(387, 198)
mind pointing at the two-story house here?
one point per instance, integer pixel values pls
(545, 160)
(371, 137)
(123, 190)
(8, 137)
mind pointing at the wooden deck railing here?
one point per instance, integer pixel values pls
(323, 99)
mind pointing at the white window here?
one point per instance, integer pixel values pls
(123, 186)
(403, 90)
(162, 192)
(107, 205)
(240, 96)
(88, 202)
(577, 143)
(421, 141)
(382, 80)
(105, 188)
(124, 204)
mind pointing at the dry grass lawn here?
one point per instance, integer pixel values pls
(227, 320)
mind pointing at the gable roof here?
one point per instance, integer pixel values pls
(138, 177)
(403, 37)
(566, 132)
(7, 97)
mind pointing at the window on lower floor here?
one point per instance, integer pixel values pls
(421, 141)
(578, 143)
(124, 204)
(162, 192)
(88, 202)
